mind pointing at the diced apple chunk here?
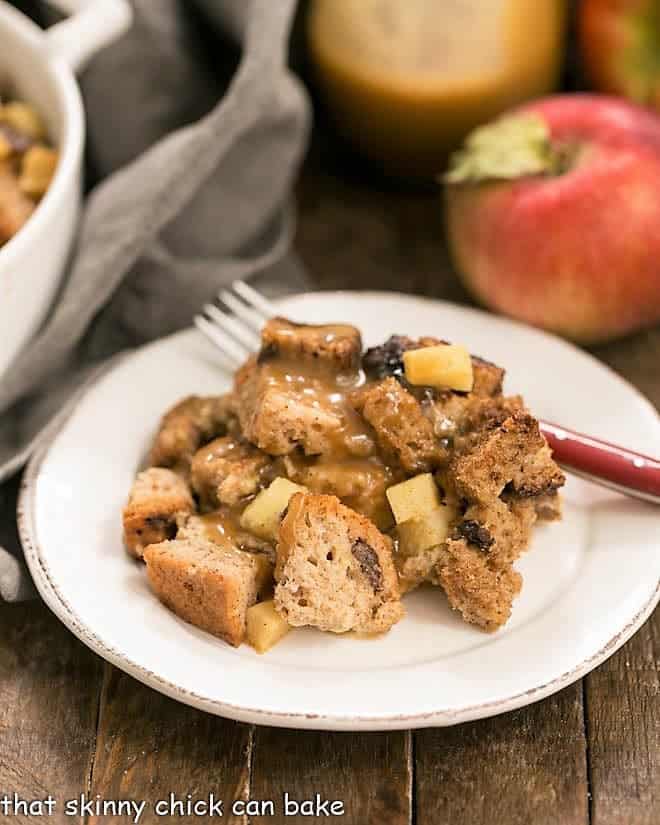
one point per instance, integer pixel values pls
(263, 515)
(265, 626)
(414, 497)
(445, 365)
(418, 534)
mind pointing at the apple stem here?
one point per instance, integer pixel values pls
(511, 147)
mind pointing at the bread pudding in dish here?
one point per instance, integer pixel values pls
(27, 165)
(330, 482)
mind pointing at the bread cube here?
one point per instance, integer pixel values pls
(445, 365)
(414, 497)
(158, 499)
(263, 515)
(481, 592)
(188, 425)
(228, 471)
(513, 453)
(265, 626)
(404, 434)
(208, 586)
(334, 569)
(336, 345)
(420, 533)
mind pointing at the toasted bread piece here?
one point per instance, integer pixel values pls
(278, 419)
(158, 499)
(483, 593)
(334, 569)
(488, 378)
(511, 453)
(228, 470)
(209, 586)
(15, 207)
(187, 426)
(462, 419)
(502, 529)
(403, 431)
(221, 527)
(339, 345)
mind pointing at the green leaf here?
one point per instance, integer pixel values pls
(511, 147)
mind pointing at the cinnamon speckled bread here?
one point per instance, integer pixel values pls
(187, 426)
(501, 529)
(279, 421)
(488, 378)
(158, 499)
(337, 344)
(228, 470)
(481, 592)
(511, 453)
(403, 431)
(475, 566)
(334, 569)
(214, 528)
(209, 586)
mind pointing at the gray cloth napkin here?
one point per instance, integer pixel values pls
(196, 140)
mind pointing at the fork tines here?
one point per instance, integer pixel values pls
(234, 324)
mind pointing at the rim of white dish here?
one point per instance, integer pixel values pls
(71, 141)
(304, 720)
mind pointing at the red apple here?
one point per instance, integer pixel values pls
(620, 46)
(571, 240)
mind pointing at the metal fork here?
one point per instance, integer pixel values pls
(236, 334)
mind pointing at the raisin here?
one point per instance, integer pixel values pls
(475, 533)
(387, 359)
(369, 565)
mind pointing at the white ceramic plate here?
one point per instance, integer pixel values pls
(590, 581)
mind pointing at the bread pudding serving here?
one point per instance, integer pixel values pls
(331, 482)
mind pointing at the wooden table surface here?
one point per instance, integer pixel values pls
(70, 723)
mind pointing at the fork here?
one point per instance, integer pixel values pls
(236, 332)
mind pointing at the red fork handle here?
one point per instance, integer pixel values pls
(604, 463)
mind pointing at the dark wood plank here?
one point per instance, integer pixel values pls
(150, 746)
(49, 698)
(524, 767)
(370, 773)
(623, 722)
